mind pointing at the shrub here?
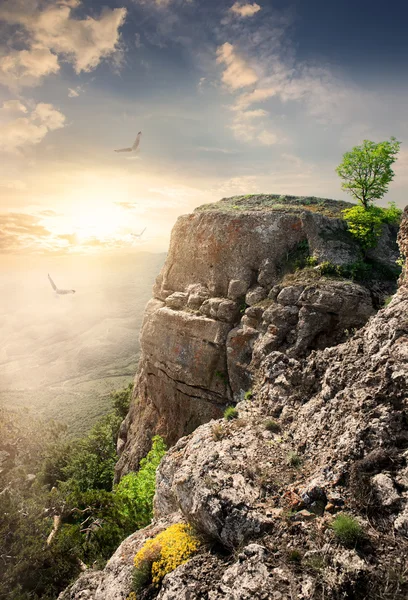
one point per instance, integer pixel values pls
(295, 556)
(294, 459)
(272, 425)
(137, 489)
(365, 224)
(164, 553)
(230, 413)
(217, 431)
(347, 529)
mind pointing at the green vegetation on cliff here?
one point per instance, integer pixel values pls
(277, 202)
(59, 509)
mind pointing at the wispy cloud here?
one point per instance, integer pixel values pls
(245, 9)
(20, 132)
(237, 73)
(52, 34)
(216, 150)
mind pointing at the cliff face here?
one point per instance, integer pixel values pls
(225, 299)
(339, 443)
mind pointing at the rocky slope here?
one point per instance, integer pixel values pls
(225, 299)
(325, 431)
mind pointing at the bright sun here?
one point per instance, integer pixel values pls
(96, 220)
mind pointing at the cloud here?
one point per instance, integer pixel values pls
(218, 150)
(53, 35)
(245, 10)
(25, 68)
(19, 231)
(267, 138)
(76, 91)
(238, 74)
(128, 205)
(29, 130)
(14, 106)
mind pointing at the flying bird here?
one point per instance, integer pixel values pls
(58, 291)
(135, 145)
(138, 235)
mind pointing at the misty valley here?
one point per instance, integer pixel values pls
(60, 357)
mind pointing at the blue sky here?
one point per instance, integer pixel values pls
(232, 97)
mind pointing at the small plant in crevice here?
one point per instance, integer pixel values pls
(295, 556)
(217, 432)
(243, 306)
(272, 426)
(248, 395)
(222, 376)
(230, 413)
(294, 460)
(347, 529)
(387, 300)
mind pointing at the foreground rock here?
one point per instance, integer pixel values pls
(323, 434)
(224, 300)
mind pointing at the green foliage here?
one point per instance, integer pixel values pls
(272, 426)
(248, 395)
(366, 170)
(294, 460)
(73, 479)
(121, 401)
(365, 224)
(230, 413)
(136, 490)
(222, 376)
(295, 556)
(347, 529)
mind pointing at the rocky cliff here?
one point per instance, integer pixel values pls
(227, 297)
(325, 431)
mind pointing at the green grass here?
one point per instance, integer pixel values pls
(284, 203)
(294, 460)
(230, 413)
(347, 529)
(272, 425)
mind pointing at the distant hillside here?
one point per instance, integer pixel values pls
(61, 356)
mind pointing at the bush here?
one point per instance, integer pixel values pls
(272, 425)
(217, 431)
(137, 489)
(294, 459)
(347, 529)
(230, 413)
(365, 224)
(164, 553)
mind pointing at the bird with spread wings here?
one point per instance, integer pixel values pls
(135, 145)
(57, 290)
(138, 235)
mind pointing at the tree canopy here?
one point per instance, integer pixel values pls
(366, 170)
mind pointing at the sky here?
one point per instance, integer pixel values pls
(232, 97)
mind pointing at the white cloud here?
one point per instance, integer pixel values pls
(76, 91)
(18, 133)
(53, 34)
(245, 10)
(217, 150)
(237, 74)
(14, 106)
(27, 67)
(267, 138)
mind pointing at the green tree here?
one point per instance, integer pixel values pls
(366, 170)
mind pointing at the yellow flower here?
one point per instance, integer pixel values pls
(167, 551)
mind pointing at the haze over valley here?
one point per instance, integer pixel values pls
(61, 356)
